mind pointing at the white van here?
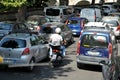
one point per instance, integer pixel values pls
(58, 13)
(92, 14)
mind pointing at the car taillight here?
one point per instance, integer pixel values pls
(110, 49)
(38, 28)
(82, 24)
(78, 48)
(118, 28)
(55, 50)
(26, 51)
(66, 22)
(61, 15)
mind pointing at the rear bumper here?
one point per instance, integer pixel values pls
(16, 62)
(90, 60)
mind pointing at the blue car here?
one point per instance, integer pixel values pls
(98, 47)
(76, 24)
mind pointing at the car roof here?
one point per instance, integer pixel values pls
(19, 35)
(98, 24)
(97, 30)
(110, 18)
(53, 24)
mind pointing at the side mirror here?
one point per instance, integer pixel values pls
(102, 62)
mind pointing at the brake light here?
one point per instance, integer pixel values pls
(61, 15)
(78, 48)
(66, 22)
(118, 28)
(55, 50)
(26, 51)
(95, 16)
(38, 28)
(110, 49)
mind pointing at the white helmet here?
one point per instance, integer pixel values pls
(58, 30)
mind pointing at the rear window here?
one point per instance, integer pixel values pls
(94, 41)
(52, 12)
(5, 26)
(73, 21)
(46, 30)
(13, 43)
(112, 23)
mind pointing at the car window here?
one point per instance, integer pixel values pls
(52, 12)
(5, 26)
(73, 21)
(34, 40)
(112, 23)
(13, 43)
(90, 40)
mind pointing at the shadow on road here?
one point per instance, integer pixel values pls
(41, 72)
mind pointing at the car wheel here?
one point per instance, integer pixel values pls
(79, 65)
(72, 39)
(31, 65)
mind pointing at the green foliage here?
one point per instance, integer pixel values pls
(13, 3)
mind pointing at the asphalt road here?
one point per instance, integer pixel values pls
(67, 71)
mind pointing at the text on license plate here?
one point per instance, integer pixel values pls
(93, 53)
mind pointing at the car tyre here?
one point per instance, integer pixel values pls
(79, 65)
(31, 65)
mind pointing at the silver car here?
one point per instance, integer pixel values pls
(22, 50)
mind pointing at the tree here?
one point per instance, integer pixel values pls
(16, 3)
(21, 5)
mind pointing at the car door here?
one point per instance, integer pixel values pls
(35, 49)
(66, 32)
(43, 47)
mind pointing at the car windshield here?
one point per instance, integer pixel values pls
(112, 23)
(5, 26)
(52, 12)
(93, 41)
(13, 43)
(34, 22)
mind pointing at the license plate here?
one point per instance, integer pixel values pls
(1, 59)
(93, 53)
(54, 56)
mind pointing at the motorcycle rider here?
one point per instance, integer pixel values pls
(56, 40)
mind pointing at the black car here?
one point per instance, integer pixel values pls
(7, 27)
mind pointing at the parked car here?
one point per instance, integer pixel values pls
(114, 22)
(22, 50)
(114, 14)
(92, 14)
(36, 21)
(108, 8)
(97, 25)
(95, 46)
(7, 27)
(58, 13)
(76, 24)
(110, 70)
(48, 29)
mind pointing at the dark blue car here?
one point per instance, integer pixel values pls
(96, 46)
(76, 24)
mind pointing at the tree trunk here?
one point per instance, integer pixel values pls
(21, 15)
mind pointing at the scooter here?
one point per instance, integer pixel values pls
(56, 57)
